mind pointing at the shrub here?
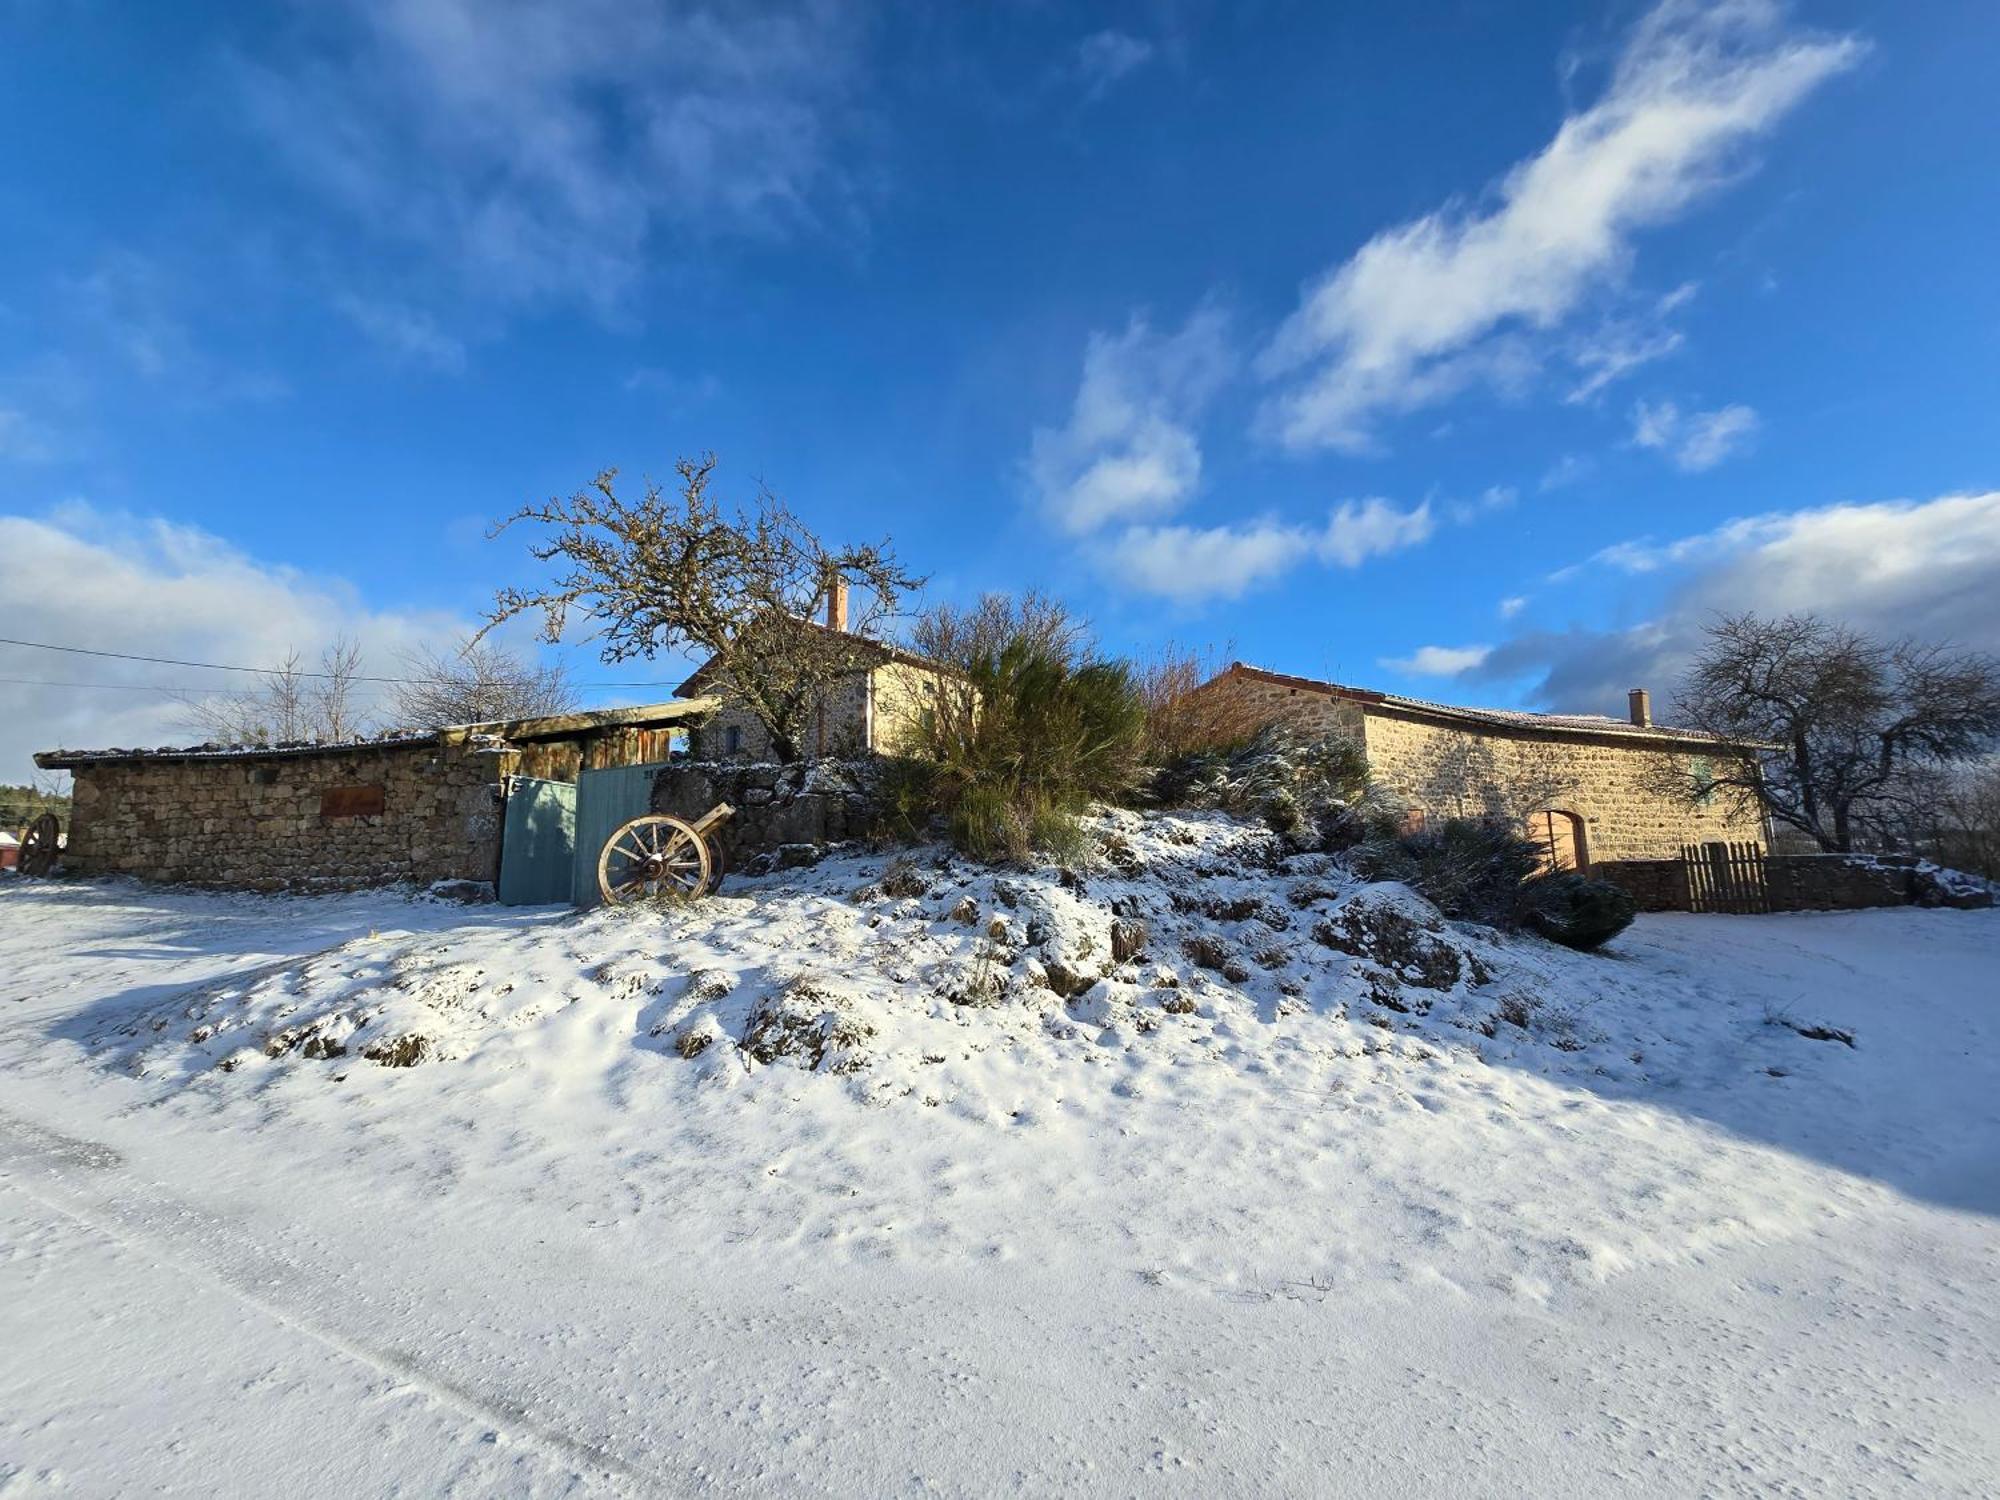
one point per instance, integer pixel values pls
(1470, 869)
(1031, 730)
(1576, 911)
(1301, 787)
(1182, 720)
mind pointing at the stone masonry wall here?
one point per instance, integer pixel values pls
(1798, 882)
(1274, 703)
(813, 802)
(837, 728)
(1453, 772)
(253, 823)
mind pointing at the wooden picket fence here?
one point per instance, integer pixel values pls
(1725, 877)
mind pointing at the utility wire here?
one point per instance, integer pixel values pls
(211, 666)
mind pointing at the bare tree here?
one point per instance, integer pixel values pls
(289, 705)
(1855, 724)
(477, 682)
(1965, 826)
(675, 571)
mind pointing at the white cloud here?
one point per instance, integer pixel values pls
(1566, 470)
(539, 149)
(1930, 569)
(1512, 605)
(87, 577)
(1622, 345)
(1697, 440)
(1713, 436)
(1495, 497)
(1105, 57)
(1438, 661)
(407, 333)
(1360, 529)
(1128, 452)
(1426, 308)
(1189, 563)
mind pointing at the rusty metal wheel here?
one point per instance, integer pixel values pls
(654, 857)
(41, 845)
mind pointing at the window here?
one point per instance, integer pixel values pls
(732, 740)
(1702, 773)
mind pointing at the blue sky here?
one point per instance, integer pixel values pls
(1474, 350)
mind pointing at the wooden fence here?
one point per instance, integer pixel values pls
(1726, 877)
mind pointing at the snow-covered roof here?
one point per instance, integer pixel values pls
(493, 735)
(1499, 718)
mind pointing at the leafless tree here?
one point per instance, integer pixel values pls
(1855, 723)
(668, 572)
(289, 705)
(477, 682)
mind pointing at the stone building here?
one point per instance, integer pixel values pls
(1588, 787)
(416, 807)
(875, 708)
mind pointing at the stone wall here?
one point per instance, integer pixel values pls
(877, 709)
(266, 823)
(1263, 702)
(1804, 882)
(807, 803)
(838, 727)
(1453, 771)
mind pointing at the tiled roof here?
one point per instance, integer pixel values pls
(1505, 718)
(881, 653)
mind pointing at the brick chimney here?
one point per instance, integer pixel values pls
(836, 604)
(1641, 704)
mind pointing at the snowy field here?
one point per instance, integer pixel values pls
(1311, 1195)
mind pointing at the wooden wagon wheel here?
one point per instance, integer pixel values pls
(653, 856)
(40, 845)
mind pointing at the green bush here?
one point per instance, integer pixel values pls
(1576, 911)
(1469, 868)
(1030, 735)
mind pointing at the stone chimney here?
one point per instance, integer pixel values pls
(836, 604)
(1641, 704)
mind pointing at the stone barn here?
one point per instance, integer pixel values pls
(412, 807)
(1589, 788)
(873, 708)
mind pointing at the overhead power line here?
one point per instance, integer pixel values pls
(212, 666)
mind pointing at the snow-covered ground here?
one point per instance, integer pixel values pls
(1313, 1195)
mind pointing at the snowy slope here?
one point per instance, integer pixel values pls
(1312, 1194)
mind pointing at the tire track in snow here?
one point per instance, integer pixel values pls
(170, 1230)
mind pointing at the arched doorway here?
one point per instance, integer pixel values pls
(1561, 839)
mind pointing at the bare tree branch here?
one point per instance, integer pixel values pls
(668, 572)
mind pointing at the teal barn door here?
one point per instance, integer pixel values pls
(538, 844)
(604, 800)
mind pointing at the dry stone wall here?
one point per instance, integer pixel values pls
(806, 804)
(1807, 882)
(269, 823)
